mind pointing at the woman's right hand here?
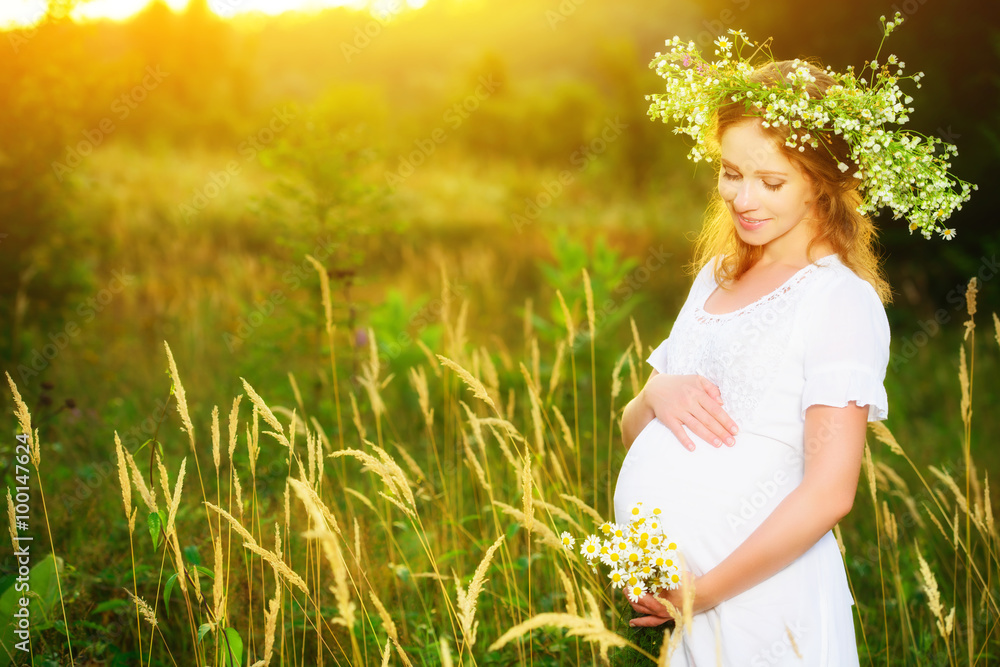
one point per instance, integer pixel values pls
(692, 401)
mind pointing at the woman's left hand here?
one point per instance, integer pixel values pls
(657, 613)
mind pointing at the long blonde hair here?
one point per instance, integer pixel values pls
(852, 235)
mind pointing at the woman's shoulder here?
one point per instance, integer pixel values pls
(836, 277)
(839, 295)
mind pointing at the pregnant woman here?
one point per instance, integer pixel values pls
(750, 431)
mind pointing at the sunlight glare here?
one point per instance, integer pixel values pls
(24, 13)
(21, 12)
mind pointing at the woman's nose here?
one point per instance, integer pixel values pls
(744, 199)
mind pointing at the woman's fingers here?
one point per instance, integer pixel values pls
(648, 621)
(677, 429)
(718, 421)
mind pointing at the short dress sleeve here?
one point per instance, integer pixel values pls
(847, 348)
(705, 278)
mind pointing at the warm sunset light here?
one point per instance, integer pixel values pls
(14, 13)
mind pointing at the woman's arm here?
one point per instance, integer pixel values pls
(834, 446)
(637, 414)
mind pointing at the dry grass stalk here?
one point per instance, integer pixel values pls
(218, 600)
(148, 496)
(883, 434)
(24, 421)
(587, 509)
(123, 480)
(238, 488)
(929, 584)
(179, 562)
(952, 486)
(505, 450)
(182, 407)
(870, 472)
(589, 628)
(557, 468)
(996, 328)
(237, 526)
(473, 462)
(633, 377)
(478, 390)
(570, 324)
(536, 412)
(616, 380)
(411, 463)
(889, 523)
(536, 375)
(279, 431)
(489, 372)
(431, 359)
(554, 377)
(324, 286)
(291, 434)
(963, 378)
(892, 476)
(386, 468)
(287, 573)
(358, 554)
(564, 427)
(445, 653)
(418, 380)
(11, 519)
(560, 513)
(468, 598)
(143, 607)
(362, 497)
(321, 434)
(840, 540)
(545, 533)
(175, 500)
(635, 337)
(216, 440)
(356, 418)
(988, 505)
(387, 623)
(386, 652)
(270, 628)
(589, 293)
(568, 588)
(164, 480)
(527, 493)
(934, 520)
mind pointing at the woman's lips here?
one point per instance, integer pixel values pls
(750, 224)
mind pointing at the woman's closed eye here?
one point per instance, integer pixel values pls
(731, 176)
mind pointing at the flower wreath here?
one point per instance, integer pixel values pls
(903, 170)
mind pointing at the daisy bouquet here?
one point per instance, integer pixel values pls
(638, 555)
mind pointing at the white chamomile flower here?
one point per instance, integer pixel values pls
(949, 234)
(591, 548)
(617, 577)
(612, 558)
(636, 591)
(567, 541)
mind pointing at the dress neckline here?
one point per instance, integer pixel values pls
(767, 297)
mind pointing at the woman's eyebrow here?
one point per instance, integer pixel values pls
(763, 172)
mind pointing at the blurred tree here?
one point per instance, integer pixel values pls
(49, 124)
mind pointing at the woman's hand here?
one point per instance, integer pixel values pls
(692, 401)
(657, 613)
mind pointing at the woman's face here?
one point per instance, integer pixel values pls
(769, 197)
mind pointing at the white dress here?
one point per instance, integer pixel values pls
(820, 338)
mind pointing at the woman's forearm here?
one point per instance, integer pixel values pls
(635, 417)
(796, 524)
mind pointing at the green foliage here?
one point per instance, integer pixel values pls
(40, 589)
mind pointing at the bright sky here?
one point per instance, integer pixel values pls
(28, 12)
